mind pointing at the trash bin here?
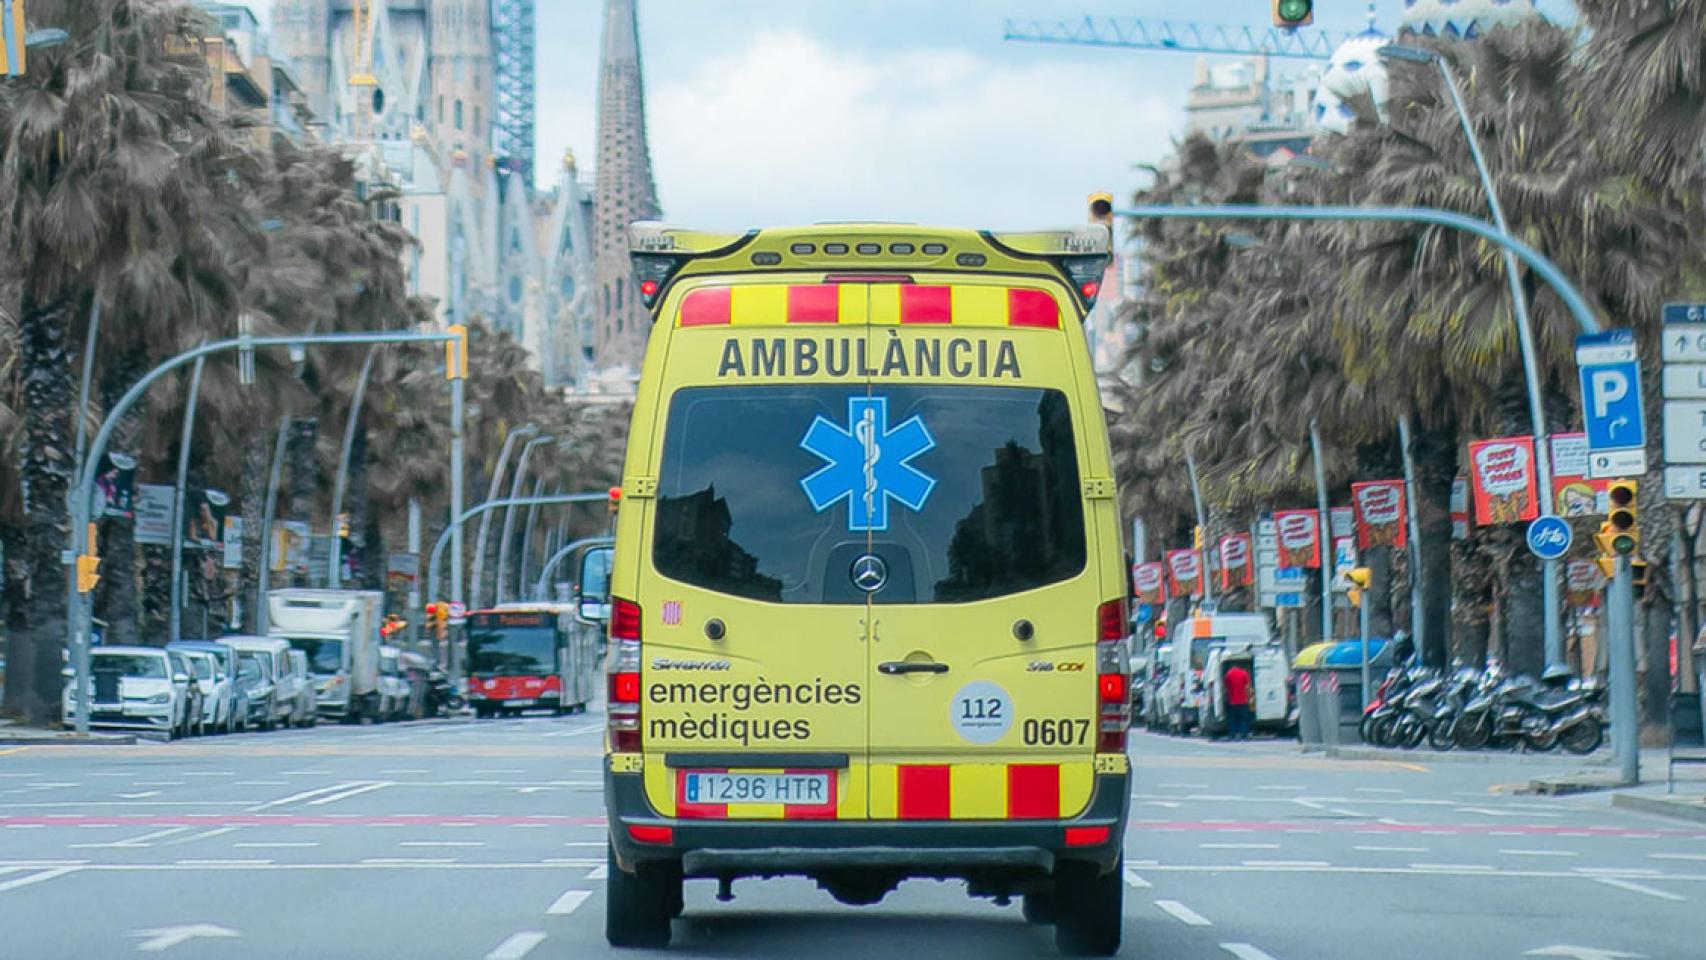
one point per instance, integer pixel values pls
(1331, 713)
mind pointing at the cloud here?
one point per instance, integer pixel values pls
(787, 130)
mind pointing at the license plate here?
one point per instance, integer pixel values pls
(810, 789)
(519, 703)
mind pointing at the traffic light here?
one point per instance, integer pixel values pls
(1621, 521)
(1291, 14)
(89, 563)
(1638, 576)
(1358, 579)
(1102, 208)
(438, 612)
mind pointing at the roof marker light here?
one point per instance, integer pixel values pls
(934, 249)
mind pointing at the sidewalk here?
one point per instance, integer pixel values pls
(1687, 803)
(1599, 758)
(14, 735)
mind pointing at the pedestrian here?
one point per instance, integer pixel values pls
(1238, 703)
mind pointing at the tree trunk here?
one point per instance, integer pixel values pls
(34, 651)
(1524, 614)
(1378, 560)
(156, 593)
(1434, 451)
(116, 598)
(251, 499)
(303, 467)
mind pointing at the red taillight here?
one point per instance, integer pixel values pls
(1090, 288)
(646, 833)
(648, 288)
(1110, 687)
(1111, 621)
(624, 619)
(625, 688)
(1080, 836)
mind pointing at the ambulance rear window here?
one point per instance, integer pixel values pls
(963, 492)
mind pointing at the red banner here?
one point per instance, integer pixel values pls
(1236, 570)
(1460, 508)
(1574, 493)
(1380, 514)
(1502, 478)
(1299, 538)
(1184, 569)
(1149, 582)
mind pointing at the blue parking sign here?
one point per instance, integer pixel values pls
(1611, 403)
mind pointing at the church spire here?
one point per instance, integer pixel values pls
(624, 191)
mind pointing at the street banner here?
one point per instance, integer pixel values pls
(1344, 561)
(1460, 508)
(1574, 492)
(1299, 538)
(1583, 581)
(1502, 478)
(401, 570)
(1341, 522)
(1380, 514)
(1236, 568)
(113, 485)
(233, 543)
(204, 524)
(154, 513)
(1149, 582)
(1184, 568)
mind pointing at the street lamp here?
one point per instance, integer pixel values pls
(514, 434)
(509, 514)
(1525, 336)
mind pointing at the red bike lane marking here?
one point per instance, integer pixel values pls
(294, 820)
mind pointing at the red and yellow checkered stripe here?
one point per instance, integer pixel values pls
(906, 791)
(776, 304)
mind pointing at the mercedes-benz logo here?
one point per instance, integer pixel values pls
(870, 573)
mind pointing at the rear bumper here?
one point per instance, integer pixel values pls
(1014, 849)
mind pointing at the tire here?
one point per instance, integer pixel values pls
(638, 906)
(1474, 734)
(1440, 735)
(1411, 736)
(1038, 908)
(1384, 728)
(1367, 729)
(1584, 737)
(1091, 907)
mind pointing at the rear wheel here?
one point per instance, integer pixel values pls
(1584, 737)
(1473, 733)
(1091, 904)
(638, 906)
(1440, 734)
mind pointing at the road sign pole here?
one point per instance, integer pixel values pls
(1322, 529)
(1620, 634)
(1362, 622)
(1202, 531)
(1418, 621)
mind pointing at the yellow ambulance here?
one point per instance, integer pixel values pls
(867, 616)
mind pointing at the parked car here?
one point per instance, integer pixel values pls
(393, 685)
(254, 675)
(232, 699)
(213, 684)
(134, 688)
(304, 710)
(273, 655)
(194, 725)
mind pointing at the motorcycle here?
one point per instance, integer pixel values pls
(1415, 713)
(1448, 708)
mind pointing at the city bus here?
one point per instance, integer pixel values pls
(529, 656)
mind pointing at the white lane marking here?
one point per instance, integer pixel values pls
(355, 791)
(51, 785)
(1383, 790)
(262, 783)
(1244, 951)
(161, 939)
(146, 840)
(517, 946)
(1634, 887)
(1451, 866)
(218, 862)
(215, 832)
(568, 903)
(1354, 815)
(507, 771)
(442, 843)
(1524, 812)
(1619, 871)
(1239, 846)
(408, 860)
(157, 783)
(404, 772)
(1183, 786)
(1286, 863)
(272, 844)
(586, 843)
(1280, 787)
(1310, 804)
(138, 796)
(304, 795)
(209, 773)
(600, 872)
(1183, 914)
(36, 878)
(303, 773)
(1537, 853)
(1678, 856)
(23, 826)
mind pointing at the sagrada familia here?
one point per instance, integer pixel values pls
(427, 95)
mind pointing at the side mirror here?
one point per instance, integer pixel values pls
(68, 673)
(180, 678)
(592, 585)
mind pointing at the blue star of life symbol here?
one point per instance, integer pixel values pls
(868, 464)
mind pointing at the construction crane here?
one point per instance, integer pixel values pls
(1134, 34)
(512, 63)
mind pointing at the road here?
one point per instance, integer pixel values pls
(485, 840)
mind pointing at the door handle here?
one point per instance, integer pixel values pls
(895, 668)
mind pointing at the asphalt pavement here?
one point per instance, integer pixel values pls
(464, 839)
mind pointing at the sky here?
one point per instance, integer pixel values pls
(793, 111)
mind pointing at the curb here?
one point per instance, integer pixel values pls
(1677, 810)
(48, 738)
(1600, 759)
(1568, 786)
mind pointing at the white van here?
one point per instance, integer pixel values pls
(1185, 692)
